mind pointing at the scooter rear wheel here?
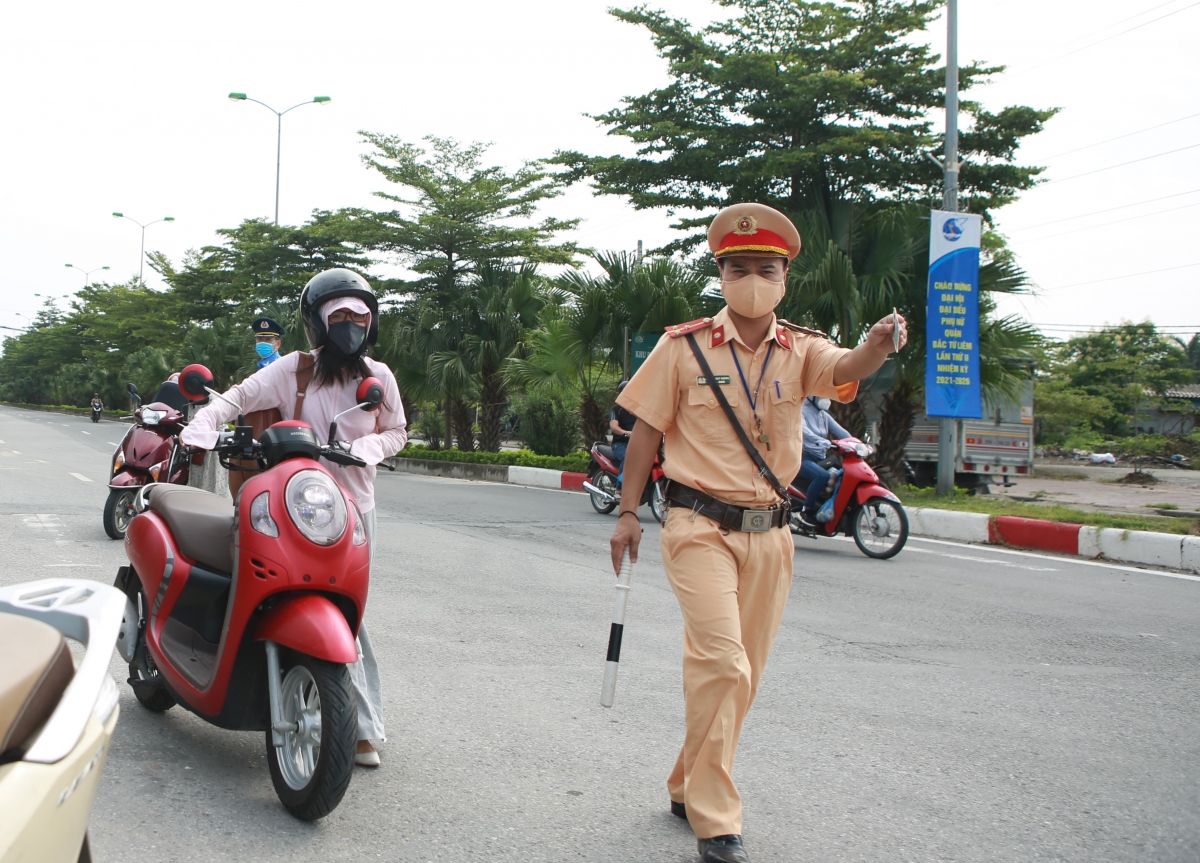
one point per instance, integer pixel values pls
(604, 482)
(311, 771)
(658, 499)
(880, 528)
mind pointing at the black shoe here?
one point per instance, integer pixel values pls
(722, 849)
(679, 810)
(807, 521)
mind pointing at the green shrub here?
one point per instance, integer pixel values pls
(576, 461)
(548, 427)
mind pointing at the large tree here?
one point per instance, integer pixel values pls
(454, 220)
(259, 267)
(794, 103)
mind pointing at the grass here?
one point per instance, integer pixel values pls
(1161, 506)
(996, 505)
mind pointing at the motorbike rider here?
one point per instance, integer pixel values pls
(341, 320)
(620, 422)
(820, 429)
(97, 402)
(268, 337)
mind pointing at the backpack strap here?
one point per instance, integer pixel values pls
(304, 376)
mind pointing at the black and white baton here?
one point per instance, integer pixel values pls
(609, 690)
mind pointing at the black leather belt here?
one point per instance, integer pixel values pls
(727, 515)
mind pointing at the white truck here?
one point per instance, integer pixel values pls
(993, 450)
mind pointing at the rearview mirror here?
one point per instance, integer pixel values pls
(369, 394)
(194, 381)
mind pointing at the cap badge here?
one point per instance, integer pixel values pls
(746, 225)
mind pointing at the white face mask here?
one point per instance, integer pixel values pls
(823, 404)
(752, 296)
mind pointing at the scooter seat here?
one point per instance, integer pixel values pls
(200, 521)
(35, 670)
(606, 451)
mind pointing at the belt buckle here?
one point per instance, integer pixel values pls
(757, 520)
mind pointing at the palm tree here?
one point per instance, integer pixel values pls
(452, 349)
(580, 346)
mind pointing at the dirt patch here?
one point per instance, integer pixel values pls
(1139, 478)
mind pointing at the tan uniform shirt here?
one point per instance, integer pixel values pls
(702, 449)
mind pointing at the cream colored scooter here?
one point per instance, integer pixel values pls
(56, 719)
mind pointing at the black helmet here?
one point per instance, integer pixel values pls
(326, 286)
(622, 386)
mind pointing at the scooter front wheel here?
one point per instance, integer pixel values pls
(118, 512)
(880, 528)
(311, 770)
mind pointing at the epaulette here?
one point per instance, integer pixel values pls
(677, 330)
(796, 328)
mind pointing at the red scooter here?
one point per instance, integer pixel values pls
(246, 615)
(601, 483)
(149, 452)
(861, 506)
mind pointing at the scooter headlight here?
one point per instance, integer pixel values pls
(863, 450)
(151, 418)
(316, 506)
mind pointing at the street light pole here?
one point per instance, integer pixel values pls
(142, 257)
(316, 100)
(87, 274)
(948, 426)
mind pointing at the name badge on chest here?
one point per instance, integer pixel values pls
(722, 380)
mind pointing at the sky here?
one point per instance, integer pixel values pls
(122, 106)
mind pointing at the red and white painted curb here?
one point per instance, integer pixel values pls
(1131, 546)
(1167, 550)
(540, 477)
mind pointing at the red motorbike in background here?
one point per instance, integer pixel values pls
(149, 452)
(601, 483)
(246, 613)
(861, 506)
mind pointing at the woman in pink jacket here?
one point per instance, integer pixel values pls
(341, 319)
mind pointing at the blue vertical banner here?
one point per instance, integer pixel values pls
(952, 319)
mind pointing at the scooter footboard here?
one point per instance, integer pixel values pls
(310, 624)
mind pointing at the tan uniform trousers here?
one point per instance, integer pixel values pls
(732, 588)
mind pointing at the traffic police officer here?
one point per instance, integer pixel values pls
(268, 337)
(726, 547)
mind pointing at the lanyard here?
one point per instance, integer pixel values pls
(753, 397)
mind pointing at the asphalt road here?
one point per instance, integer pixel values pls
(956, 703)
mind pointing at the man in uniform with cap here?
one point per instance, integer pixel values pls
(268, 337)
(726, 547)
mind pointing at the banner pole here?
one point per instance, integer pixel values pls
(947, 444)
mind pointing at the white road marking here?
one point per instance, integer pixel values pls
(80, 477)
(1060, 559)
(86, 432)
(990, 560)
(14, 452)
(110, 443)
(39, 461)
(71, 564)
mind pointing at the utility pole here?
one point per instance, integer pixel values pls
(948, 426)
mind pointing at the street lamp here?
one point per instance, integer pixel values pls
(142, 259)
(316, 100)
(87, 274)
